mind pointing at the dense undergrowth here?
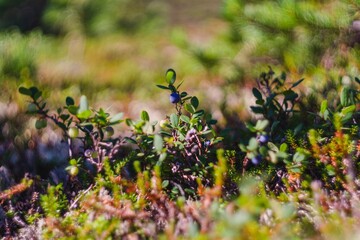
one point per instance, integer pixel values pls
(294, 176)
(76, 164)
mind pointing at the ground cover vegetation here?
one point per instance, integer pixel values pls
(210, 164)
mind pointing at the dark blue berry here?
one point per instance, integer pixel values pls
(174, 97)
(263, 138)
(256, 160)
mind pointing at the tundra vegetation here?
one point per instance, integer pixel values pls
(251, 133)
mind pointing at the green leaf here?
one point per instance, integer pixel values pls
(170, 76)
(257, 93)
(194, 102)
(84, 114)
(165, 183)
(273, 157)
(295, 169)
(261, 125)
(189, 191)
(346, 118)
(284, 147)
(344, 97)
(207, 132)
(129, 122)
(33, 91)
(198, 114)
(299, 157)
(130, 140)
(282, 155)
(158, 143)
(145, 116)
(260, 102)
(326, 114)
(40, 123)
(174, 120)
(165, 133)
(73, 109)
(253, 144)
(116, 118)
(297, 83)
(175, 190)
(64, 117)
(162, 87)
(263, 150)
(162, 157)
(330, 170)
(84, 106)
(25, 91)
(61, 125)
(272, 147)
(69, 101)
(242, 147)
(250, 127)
(212, 122)
(37, 95)
(185, 118)
(180, 84)
(323, 107)
(189, 108)
(183, 94)
(349, 109)
(257, 110)
(290, 95)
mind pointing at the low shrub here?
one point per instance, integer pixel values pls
(176, 178)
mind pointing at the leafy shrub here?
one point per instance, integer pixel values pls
(18, 61)
(296, 34)
(183, 180)
(183, 147)
(322, 150)
(94, 18)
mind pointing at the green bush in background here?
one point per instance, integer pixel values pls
(89, 17)
(299, 35)
(96, 18)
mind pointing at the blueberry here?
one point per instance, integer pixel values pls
(256, 160)
(174, 97)
(263, 138)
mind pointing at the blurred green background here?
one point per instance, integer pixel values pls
(112, 51)
(116, 51)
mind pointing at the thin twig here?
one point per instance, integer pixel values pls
(81, 195)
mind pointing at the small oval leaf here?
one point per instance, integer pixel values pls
(257, 94)
(174, 120)
(69, 101)
(24, 91)
(117, 118)
(194, 102)
(170, 76)
(145, 116)
(158, 143)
